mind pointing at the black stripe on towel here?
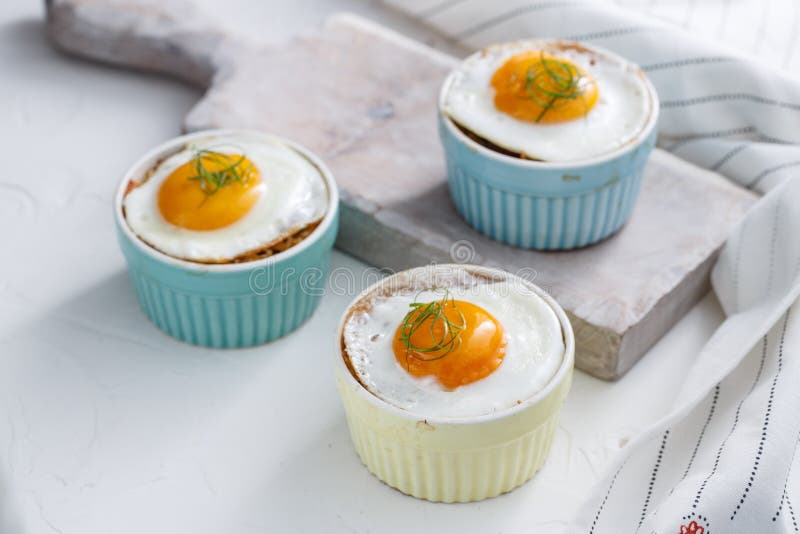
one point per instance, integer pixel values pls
(512, 14)
(791, 513)
(653, 477)
(711, 411)
(765, 426)
(772, 242)
(609, 33)
(728, 97)
(727, 156)
(786, 481)
(766, 172)
(736, 416)
(605, 497)
(709, 135)
(678, 63)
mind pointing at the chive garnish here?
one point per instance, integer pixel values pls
(568, 80)
(440, 345)
(230, 172)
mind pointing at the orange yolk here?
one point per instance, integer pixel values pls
(537, 87)
(479, 350)
(183, 202)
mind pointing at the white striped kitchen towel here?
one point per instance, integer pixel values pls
(721, 461)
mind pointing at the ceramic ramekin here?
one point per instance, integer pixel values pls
(454, 459)
(228, 305)
(545, 205)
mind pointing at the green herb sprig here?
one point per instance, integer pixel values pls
(439, 346)
(568, 80)
(212, 181)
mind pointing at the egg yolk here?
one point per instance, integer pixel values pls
(535, 86)
(458, 342)
(211, 191)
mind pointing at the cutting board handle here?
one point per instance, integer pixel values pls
(172, 38)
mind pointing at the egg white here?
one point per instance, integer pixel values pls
(294, 196)
(534, 352)
(619, 116)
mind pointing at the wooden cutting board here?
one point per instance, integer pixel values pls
(364, 99)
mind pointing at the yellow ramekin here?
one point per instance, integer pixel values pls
(460, 459)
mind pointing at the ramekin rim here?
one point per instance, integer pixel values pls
(641, 137)
(561, 374)
(164, 147)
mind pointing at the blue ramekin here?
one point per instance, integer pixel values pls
(545, 205)
(228, 305)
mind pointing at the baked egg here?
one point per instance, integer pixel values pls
(469, 346)
(227, 198)
(551, 101)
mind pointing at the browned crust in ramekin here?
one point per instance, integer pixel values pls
(488, 144)
(280, 245)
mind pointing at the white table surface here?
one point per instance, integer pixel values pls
(109, 426)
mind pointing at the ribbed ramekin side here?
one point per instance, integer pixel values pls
(227, 322)
(455, 475)
(543, 222)
(452, 472)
